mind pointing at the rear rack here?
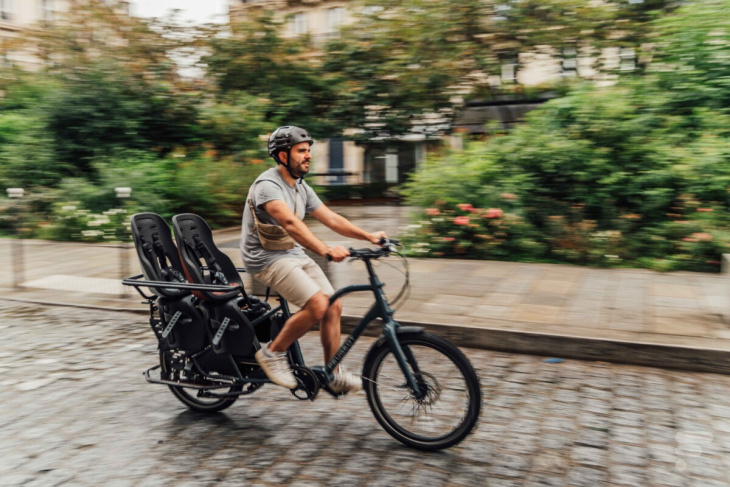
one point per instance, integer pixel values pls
(191, 385)
(138, 281)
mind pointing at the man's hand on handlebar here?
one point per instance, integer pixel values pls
(377, 238)
(337, 254)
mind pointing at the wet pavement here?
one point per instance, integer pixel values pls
(75, 410)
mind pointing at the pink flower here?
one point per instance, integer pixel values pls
(704, 237)
(466, 207)
(494, 213)
(433, 211)
(461, 220)
(448, 239)
(704, 209)
(687, 239)
(508, 196)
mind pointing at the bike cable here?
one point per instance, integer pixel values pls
(404, 291)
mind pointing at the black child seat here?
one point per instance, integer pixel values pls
(204, 263)
(184, 325)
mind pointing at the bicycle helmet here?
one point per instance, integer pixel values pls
(284, 138)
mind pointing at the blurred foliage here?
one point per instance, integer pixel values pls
(110, 109)
(403, 63)
(633, 174)
(408, 64)
(255, 59)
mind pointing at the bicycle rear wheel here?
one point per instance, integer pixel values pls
(447, 409)
(188, 395)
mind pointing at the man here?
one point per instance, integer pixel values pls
(281, 197)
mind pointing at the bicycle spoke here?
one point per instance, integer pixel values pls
(440, 410)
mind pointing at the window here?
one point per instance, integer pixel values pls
(510, 63)
(299, 23)
(337, 161)
(501, 12)
(6, 10)
(372, 10)
(628, 59)
(47, 10)
(570, 62)
(335, 16)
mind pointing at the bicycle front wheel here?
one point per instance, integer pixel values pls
(447, 407)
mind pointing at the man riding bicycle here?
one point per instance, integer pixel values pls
(281, 198)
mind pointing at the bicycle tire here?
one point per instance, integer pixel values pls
(399, 412)
(189, 397)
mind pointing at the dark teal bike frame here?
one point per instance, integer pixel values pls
(380, 309)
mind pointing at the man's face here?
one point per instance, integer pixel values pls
(299, 159)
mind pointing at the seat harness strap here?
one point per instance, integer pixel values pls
(201, 251)
(168, 271)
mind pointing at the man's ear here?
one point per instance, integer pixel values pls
(283, 156)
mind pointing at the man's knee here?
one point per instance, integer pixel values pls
(335, 308)
(317, 305)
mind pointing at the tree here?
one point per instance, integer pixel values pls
(254, 59)
(119, 86)
(406, 65)
(634, 173)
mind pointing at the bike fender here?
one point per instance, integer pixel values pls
(403, 330)
(382, 340)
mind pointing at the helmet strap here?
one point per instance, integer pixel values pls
(288, 169)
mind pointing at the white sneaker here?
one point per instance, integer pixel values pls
(276, 367)
(345, 382)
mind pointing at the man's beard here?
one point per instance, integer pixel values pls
(299, 171)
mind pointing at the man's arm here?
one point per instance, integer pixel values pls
(343, 226)
(300, 232)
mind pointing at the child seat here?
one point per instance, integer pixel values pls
(183, 324)
(204, 263)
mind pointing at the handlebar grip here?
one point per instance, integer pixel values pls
(390, 241)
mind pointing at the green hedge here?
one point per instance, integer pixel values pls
(636, 174)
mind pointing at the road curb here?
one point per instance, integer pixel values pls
(559, 346)
(571, 347)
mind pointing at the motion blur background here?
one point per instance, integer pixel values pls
(593, 133)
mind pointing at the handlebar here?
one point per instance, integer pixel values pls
(387, 245)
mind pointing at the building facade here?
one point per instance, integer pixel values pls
(389, 162)
(18, 15)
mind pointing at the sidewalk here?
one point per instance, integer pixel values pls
(675, 320)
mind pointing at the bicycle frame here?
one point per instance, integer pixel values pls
(380, 309)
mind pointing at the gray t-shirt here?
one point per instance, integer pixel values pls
(270, 186)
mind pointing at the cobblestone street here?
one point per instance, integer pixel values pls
(76, 410)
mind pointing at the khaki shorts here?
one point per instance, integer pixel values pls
(295, 279)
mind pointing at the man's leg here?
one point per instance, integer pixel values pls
(330, 335)
(329, 331)
(290, 280)
(301, 322)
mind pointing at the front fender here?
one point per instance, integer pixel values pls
(382, 341)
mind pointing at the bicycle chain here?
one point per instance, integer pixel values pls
(282, 399)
